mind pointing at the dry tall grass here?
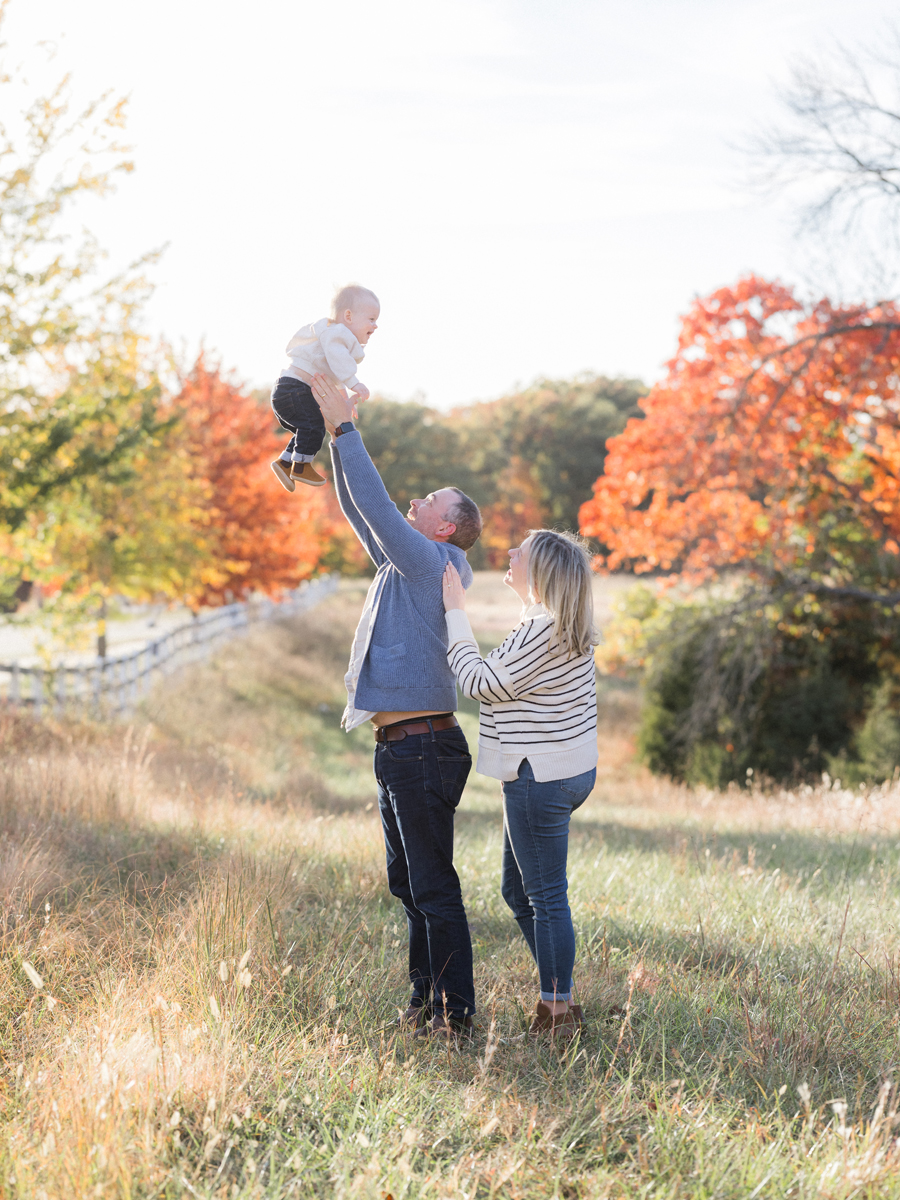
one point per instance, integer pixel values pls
(201, 968)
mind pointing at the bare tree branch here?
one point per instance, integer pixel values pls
(842, 136)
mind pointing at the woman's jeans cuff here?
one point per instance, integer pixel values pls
(549, 997)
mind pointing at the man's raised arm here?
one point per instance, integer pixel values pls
(410, 551)
(351, 512)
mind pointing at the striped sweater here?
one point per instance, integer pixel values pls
(534, 704)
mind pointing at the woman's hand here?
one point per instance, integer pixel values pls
(335, 405)
(454, 592)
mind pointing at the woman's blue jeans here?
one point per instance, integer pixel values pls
(535, 848)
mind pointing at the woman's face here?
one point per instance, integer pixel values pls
(517, 575)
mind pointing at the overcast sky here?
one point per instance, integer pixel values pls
(532, 187)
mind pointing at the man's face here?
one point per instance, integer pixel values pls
(432, 516)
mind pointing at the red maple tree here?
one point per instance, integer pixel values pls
(772, 443)
(265, 539)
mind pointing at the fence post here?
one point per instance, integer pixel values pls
(60, 682)
(37, 690)
(14, 686)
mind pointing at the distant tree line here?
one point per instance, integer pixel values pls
(528, 459)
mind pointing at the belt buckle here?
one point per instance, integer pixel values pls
(389, 733)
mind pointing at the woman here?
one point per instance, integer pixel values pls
(538, 735)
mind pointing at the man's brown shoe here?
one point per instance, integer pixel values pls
(282, 469)
(415, 1017)
(442, 1027)
(559, 1025)
(307, 473)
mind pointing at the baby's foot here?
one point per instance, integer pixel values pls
(282, 469)
(306, 473)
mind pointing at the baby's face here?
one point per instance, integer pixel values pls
(362, 321)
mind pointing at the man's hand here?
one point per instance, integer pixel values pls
(334, 403)
(454, 592)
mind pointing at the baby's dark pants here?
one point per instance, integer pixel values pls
(295, 407)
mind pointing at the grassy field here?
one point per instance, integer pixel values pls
(202, 967)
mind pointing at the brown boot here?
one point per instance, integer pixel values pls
(282, 469)
(307, 473)
(558, 1025)
(444, 1027)
(415, 1017)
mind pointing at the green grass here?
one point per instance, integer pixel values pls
(737, 962)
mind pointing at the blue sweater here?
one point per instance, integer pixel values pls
(405, 668)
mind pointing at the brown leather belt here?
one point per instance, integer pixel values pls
(396, 733)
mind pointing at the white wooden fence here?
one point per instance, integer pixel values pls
(112, 686)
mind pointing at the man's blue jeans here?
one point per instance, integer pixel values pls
(535, 848)
(420, 782)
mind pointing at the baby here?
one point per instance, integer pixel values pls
(332, 346)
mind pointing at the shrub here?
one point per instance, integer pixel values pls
(752, 681)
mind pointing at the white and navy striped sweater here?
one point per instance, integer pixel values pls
(534, 704)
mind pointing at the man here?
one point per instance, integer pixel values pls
(399, 679)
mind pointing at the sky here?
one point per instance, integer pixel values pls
(532, 187)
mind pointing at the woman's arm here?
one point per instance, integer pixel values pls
(479, 678)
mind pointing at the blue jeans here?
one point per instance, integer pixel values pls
(295, 407)
(420, 782)
(535, 847)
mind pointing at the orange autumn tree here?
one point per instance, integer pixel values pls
(265, 539)
(771, 450)
(773, 443)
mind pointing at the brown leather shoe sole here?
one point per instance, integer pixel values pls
(282, 471)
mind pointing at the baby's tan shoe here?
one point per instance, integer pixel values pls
(306, 473)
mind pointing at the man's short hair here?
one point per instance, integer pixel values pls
(466, 516)
(351, 297)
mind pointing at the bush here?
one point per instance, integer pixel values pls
(752, 682)
(877, 745)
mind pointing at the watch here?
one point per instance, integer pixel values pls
(344, 427)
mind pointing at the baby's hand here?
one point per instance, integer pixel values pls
(360, 393)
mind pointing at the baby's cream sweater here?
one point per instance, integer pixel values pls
(325, 348)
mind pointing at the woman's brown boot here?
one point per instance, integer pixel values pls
(558, 1025)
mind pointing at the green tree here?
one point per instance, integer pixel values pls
(417, 450)
(530, 458)
(558, 429)
(83, 417)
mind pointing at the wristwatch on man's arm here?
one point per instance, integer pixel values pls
(344, 427)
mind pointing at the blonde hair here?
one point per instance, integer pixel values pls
(559, 576)
(350, 296)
